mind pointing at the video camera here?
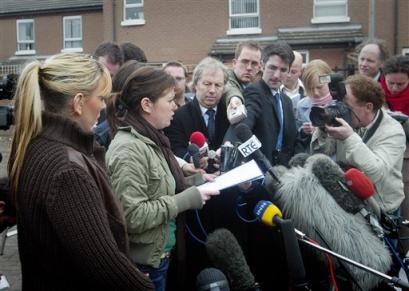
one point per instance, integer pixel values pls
(7, 88)
(320, 116)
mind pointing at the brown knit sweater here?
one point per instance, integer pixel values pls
(71, 232)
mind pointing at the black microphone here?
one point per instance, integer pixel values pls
(250, 147)
(332, 178)
(194, 152)
(211, 279)
(225, 253)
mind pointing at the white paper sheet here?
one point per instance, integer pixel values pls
(244, 173)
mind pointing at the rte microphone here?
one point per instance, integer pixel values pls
(363, 188)
(194, 152)
(199, 139)
(250, 147)
(226, 254)
(211, 279)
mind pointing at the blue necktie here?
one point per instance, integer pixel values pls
(211, 127)
(279, 112)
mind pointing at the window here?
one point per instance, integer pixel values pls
(330, 11)
(133, 13)
(305, 57)
(72, 34)
(244, 17)
(405, 51)
(25, 37)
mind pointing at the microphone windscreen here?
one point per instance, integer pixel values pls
(359, 184)
(298, 160)
(211, 279)
(265, 211)
(197, 138)
(194, 152)
(243, 132)
(192, 149)
(331, 177)
(226, 254)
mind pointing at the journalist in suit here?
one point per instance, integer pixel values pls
(269, 111)
(209, 79)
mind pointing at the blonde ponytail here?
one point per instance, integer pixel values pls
(27, 117)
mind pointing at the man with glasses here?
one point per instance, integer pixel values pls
(374, 142)
(269, 111)
(179, 72)
(246, 65)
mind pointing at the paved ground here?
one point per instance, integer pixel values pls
(9, 261)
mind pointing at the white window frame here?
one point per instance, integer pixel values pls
(330, 19)
(305, 57)
(74, 49)
(405, 51)
(25, 52)
(128, 22)
(251, 30)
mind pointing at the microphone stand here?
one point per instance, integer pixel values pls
(295, 263)
(394, 280)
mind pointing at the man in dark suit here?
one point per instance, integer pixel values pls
(270, 117)
(269, 111)
(209, 79)
(205, 113)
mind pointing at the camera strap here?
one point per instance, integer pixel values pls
(373, 128)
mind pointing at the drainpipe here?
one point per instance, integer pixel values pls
(114, 20)
(396, 27)
(372, 16)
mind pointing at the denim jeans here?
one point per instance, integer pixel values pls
(157, 275)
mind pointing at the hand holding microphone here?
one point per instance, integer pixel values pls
(236, 111)
(198, 150)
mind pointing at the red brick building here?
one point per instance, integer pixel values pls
(188, 30)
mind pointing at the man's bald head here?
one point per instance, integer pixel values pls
(295, 72)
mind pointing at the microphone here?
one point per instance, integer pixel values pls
(332, 179)
(194, 152)
(211, 279)
(199, 139)
(226, 254)
(363, 188)
(229, 157)
(211, 161)
(250, 147)
(236, 115)
(313, 211)
(269, 214)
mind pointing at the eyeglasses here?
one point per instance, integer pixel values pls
(180, 79)
(253, 64)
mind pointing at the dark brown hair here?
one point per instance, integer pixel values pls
(147, 82)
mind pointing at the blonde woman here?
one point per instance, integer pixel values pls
(72, 233)
(318, 94)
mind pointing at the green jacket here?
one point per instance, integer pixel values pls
(232, 88)
(146, 188)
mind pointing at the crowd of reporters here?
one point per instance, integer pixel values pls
(129, 220)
